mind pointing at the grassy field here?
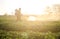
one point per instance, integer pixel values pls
(11, 29)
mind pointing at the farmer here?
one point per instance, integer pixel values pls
(18, 14)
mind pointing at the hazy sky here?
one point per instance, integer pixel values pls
(27, 6)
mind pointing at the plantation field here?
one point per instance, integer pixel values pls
(12, 29)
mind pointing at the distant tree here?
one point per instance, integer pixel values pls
(48, 10)
(54, 10)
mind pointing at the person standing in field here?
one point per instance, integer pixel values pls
(18, 14)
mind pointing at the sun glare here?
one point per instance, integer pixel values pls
(28, 6)
(31, 18)
(36, 7)
(32, 7)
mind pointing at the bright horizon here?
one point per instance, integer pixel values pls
(28, 6)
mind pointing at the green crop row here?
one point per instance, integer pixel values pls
(28, 35)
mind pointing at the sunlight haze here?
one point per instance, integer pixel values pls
(27, 6)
